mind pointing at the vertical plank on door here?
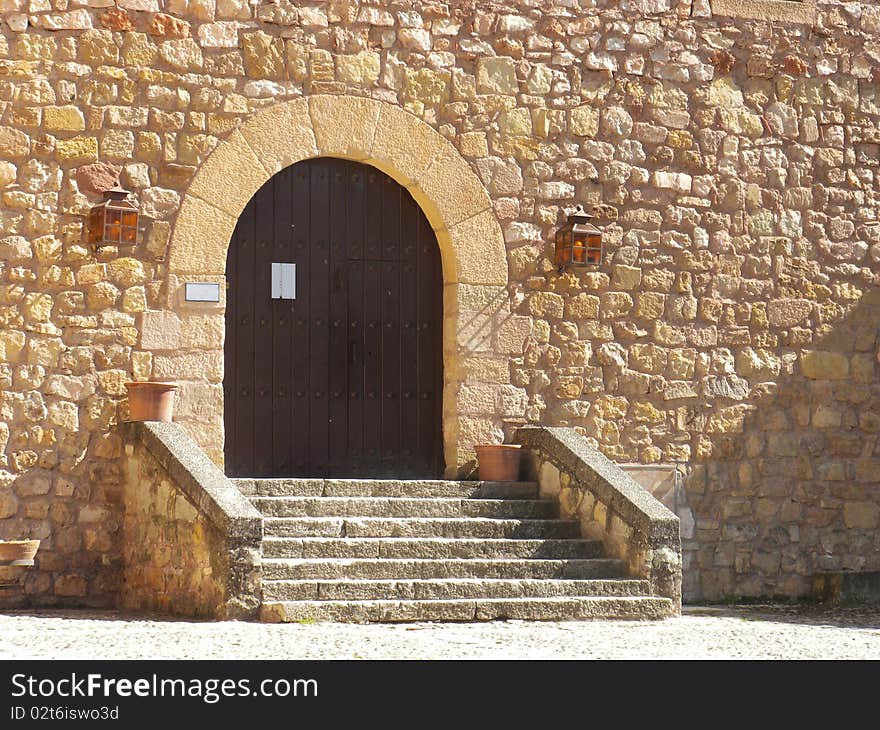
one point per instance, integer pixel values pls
(264, 231)
(410, 458)
(390, 358)
(430, 322)
(372, 354)
(355, 241)
(300, 206)
(319, 360)
(282, 331)
(244, 342)
(337, 405)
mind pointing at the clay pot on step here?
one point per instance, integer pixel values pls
(18, 552)
(498, 462)
(151, 401)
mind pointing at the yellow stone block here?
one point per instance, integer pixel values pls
(404, 146)
(203, 331)
(141, 365)
(113, 381)
(63, 414)
(11, 344)
(277, 151)
(77, 149)
(230, 176)
(452, 188)
(14, 144)
(38, 307)
(200, 239)
(63, 119)
(134, 300)
(473, 144)
(476, 250)
(360, 68)
(344, 126)
(584, 121)
(127, 271)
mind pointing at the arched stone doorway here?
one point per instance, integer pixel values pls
(479, 332)
(334, 368)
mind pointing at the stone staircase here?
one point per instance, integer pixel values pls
(372, 550)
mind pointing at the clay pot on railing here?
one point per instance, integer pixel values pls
(151, 401)
(498, 462)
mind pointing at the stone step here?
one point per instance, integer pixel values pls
(454, 588)
(487, 609)
(463, 527)
(396, 547)
(395, 569)
(404, 507)
(386, 488)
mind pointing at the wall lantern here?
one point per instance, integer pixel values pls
(578, 242)
(114, 222)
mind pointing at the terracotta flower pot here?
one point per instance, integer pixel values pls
(498, 462)
(18, 552)
(151, 401)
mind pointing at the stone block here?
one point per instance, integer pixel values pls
(450, 187)
(861, 515)
(263, 55)
(230, 176)
(277, 151)
(474, 251)
(496, 75)
(160, 330)
(344, 126)
(189, 366)
(63, 119)
(584, 121)
(824, 365)
(200, 239)
(404, 146)
(77, 150)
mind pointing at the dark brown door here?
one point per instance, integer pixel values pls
(346, 378)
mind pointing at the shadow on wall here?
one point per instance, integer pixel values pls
(489, 404)
(784, 478)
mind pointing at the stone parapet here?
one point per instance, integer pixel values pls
(191, 542)
(610, 505)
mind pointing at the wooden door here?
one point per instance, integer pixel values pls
(344, 380)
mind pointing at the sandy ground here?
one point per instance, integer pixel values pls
(733, 632)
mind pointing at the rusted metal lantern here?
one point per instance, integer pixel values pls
(114, 221)
(578, 242)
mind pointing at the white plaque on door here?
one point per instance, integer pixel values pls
(283, 281)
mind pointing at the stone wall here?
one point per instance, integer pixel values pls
(732, 165)
(192, 544)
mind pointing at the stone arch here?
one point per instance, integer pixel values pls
(477, 319)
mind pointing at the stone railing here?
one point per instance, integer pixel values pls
(609, 504)
(191, 541)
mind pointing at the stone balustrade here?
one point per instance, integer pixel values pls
(609, 504)
(191, 542)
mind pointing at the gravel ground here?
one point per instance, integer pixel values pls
(733, 632)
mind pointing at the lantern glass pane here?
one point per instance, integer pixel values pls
(113, 216)
(578, 251)
(129, 234)
(594, 249)
(129, 218)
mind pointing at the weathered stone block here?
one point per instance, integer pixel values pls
(496, 76)
(824, 365)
